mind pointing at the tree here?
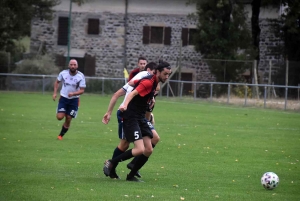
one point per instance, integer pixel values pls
(16, 18)
(222, 32)
(291, 29)
(290, 33)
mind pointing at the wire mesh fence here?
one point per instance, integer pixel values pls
(277, 72)
(243, 94)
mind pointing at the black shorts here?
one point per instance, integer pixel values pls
(135, 129)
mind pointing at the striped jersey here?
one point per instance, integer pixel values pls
(129, 88)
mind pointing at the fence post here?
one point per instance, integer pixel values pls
(181, 89)
(298, 91)
(43, 84)
(195, 91)
(228, 94)
(168, 88)
(286, 83)
(102, 86)
(211, 92)
(8, 68)
(285, 98)
(246, 92)
(265, 96)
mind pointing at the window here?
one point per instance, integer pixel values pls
(62, 38)
(93, 26)
(156, 35)
(187, 36)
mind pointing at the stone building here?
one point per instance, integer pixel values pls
(108, 36)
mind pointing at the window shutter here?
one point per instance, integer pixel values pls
(93, 26)
(167, 36)
(62, 38)
(146, 35)
(184, 36)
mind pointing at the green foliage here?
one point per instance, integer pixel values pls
(206, 152)
(43, 65)
(222, 33)
(229, 71)
(291, 30)
(239, 91)
(16, 17)
(222, 29)
(97, 85)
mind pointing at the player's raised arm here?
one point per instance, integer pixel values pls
(112, 103)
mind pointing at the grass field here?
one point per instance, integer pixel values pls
(207, 152)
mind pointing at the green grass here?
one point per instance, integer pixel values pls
(207, 152)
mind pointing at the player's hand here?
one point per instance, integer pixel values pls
(106, 118)
(122, 108)
(71, 94)
(152, 103)
(54, 97)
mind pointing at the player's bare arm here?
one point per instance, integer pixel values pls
(56, 85)
(112, 103)
(76, 93)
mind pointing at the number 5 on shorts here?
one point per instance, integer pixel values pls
(136, 135)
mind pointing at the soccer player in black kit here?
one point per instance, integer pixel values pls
(135, 126)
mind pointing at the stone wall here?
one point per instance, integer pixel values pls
(108, 46)
(271, 47)
(191, 60)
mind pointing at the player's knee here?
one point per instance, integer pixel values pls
(155, 138)
(148, 151)
(138, 151)
(60, 116)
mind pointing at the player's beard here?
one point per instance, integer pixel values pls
(73, 70)
(161, 80)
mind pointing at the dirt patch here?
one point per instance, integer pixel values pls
(273, 103)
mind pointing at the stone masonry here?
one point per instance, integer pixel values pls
(108, 46)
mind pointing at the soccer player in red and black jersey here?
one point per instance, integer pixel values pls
(135, 126)
(142, 62)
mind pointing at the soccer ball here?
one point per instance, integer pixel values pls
(270, 180)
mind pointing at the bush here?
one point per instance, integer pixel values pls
(44, 65)
(110, 86)
(239, 91)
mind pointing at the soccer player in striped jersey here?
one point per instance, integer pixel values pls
(135, 126)
(125, 90)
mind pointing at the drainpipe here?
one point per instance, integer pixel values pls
(125, 33)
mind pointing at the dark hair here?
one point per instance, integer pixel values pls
(151, 66)
(141, 58)
(162, 65)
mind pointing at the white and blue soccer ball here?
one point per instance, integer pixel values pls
(270, 180)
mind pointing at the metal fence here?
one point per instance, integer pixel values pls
(278, 72)
(243, 94)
